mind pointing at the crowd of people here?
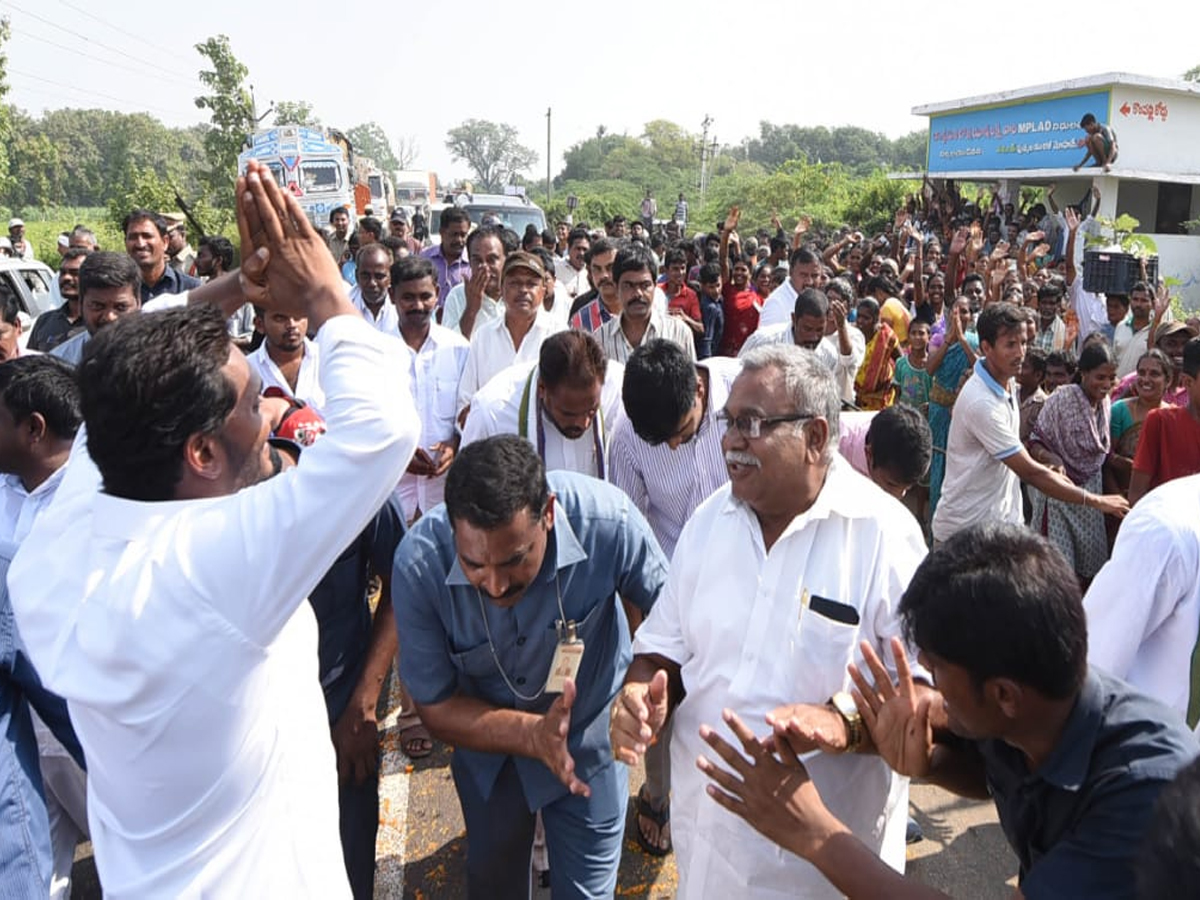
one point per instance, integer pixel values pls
(790, 517)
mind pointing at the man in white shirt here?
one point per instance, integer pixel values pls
(518, 334)
(775, 580)
(21, 246)
(436, 358)
(572, 271)
(1143, 608)
(1131, 335)
(566, 406)
(636, 275)
(819, 324)
(477, 301)
(162, 595)
(370, 292)
(39, 417)
(985, 459)
(804, 267)
(287, 359)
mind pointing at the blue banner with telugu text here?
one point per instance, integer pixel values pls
(1035, 134)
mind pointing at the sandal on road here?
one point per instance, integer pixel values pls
(661, 818)
(415, 740)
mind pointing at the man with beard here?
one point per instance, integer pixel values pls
(287, 359)
(593, 308)
(566, 405)
(108, 289)
(804, 268)
(146, 243)
(518, 571)
(436, 357)
(370, 292)
(63, 323)
(162, 594)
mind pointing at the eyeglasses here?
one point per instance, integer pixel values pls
(751, 427)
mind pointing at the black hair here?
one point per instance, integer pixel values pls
(842, 287)
(1000, 601)
(547, 259)
(107, 269)
(413, 268)
(10, 307)
(1051, 291)
(147, 384)
(452, 215)
(45, 385)
(73, 253)
(674, 257)
(492, 480)
(1094, 355)
(487, 231)
(1036, 357)
(221, 248)
(973, 276)
(1162, 359)
(901, 442)
(997, 319)
(634, 258)
(548, 237)
(1167, 864)
(372, 225)
(1088, 119)
(139, 215)
(1191, 357)
(710, 273)
(811, 302)
(578, 234)
(658, 390)
(802, 256)
(573, 358)
(778, 245)
(1062, 358)
(338, 209)
(599, 247)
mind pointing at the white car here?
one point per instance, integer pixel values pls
(33, 283)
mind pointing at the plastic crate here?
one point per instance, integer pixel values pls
(1109, 272)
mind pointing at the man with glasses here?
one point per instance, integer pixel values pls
(774, 582)
(636, 275)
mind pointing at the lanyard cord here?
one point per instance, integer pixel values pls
(496, 657)
(597, 424)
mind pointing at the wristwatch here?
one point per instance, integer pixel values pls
(845, 707)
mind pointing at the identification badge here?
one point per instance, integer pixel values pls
(568, 654)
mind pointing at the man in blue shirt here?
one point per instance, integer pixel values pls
(482, 586)
(25, 863)
(146, 243)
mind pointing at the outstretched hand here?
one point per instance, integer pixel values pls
(896, 718)
(636, 716)
(550, 740)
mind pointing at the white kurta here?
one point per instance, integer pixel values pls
(492, 351)
(308, 382)
(179, 634)
(732, 615)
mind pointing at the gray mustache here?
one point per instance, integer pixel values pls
(736, 457)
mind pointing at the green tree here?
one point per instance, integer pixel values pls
(492, 151)
(370, 140)
(232, 115)
(1192, 74)
(295, 112)
(5, 109)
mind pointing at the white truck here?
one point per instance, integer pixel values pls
(315, 163)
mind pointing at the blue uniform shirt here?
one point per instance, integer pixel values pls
(1076, 823)
(600, 545)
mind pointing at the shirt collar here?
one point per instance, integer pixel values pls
(1067, 765)
(565, 546)
(994, 386)
(845, 493)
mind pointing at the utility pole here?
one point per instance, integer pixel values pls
(547, 156)
(704, 156)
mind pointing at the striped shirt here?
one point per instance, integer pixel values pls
(617, 347)
(667, 485)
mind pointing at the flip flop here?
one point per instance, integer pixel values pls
(660, 817)
(416, 733)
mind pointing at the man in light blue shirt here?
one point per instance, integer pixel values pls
(481, 586)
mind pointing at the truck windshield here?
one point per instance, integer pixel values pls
(321, 177)
(514, 218)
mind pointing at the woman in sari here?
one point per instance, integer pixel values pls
(951, 357)
(873, 387)
(1073, 435)
(1154, 373)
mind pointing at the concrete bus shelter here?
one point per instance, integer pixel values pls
(1031, 136)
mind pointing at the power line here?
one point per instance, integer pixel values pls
(71, 87)
(57, 97)
(76, 52)
(129, 34)
(89, 40)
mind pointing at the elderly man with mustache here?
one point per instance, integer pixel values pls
(774, 581)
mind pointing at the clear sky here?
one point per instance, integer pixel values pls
(420, 68)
